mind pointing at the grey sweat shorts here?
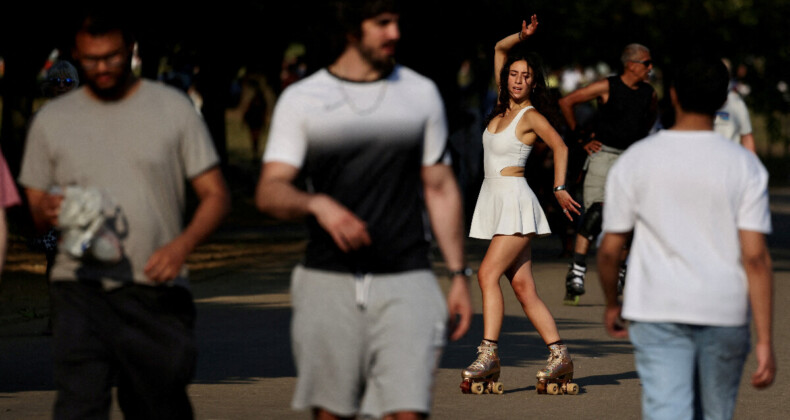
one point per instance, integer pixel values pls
(597, 166)
(366, 345)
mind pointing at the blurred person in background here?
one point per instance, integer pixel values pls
(9, 196)
(627, 109)
(61, 78)
(107, 165)
(732, 120)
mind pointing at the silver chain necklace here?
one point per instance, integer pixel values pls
(365, 111)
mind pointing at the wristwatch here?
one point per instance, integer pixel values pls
(559, 188)
(466, 271)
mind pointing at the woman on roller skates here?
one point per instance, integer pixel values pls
(508, 213)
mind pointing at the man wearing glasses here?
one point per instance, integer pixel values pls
(627, 107)
(122, 310)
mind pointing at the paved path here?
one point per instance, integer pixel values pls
(245, 369)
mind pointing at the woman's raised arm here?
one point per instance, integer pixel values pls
(505, 44)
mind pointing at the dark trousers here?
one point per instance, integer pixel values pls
(139, 338)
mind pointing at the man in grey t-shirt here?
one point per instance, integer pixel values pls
(120, 148)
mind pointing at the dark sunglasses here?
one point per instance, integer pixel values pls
(68, 81)
(646, 63)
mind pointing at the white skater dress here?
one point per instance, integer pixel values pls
(506, 205)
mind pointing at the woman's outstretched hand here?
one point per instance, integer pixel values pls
(528, 30)
(567, 203)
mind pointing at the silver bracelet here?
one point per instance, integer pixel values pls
(559, 188)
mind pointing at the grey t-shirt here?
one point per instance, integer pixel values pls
(138, 152)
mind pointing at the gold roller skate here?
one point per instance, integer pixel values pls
(482, 376)
(556, 377)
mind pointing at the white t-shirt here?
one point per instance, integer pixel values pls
(686, 194)
(732, 120)
(324, 109)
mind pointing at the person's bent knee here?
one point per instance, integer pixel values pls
(487, 277)
(524, 290)
(592, 223)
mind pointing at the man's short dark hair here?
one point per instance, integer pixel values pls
(701, 84)
(350, 13)
(97, 20)
(336, 20)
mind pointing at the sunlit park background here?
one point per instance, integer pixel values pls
(218, 52)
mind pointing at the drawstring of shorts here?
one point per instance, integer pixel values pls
(362, 285)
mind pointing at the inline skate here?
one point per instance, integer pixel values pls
(574, 284)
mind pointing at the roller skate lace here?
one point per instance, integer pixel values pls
(485, 356)
(558, 363)
(487, 362)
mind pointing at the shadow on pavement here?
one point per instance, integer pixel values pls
(587, 381)
(520, 344)
(239, 342)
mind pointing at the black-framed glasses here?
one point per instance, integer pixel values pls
(646, 63)
(114, 59)
(67, 81)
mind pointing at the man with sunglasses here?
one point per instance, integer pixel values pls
(122, 310)
(627, 109)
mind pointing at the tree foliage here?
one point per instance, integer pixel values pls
(437, 36)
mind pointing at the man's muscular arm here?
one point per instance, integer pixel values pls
(210, 188)
(44, 208)
(594, 90)
(277, 196)
(443, 200)
(598, 89)
(608, 266)
(757, 264)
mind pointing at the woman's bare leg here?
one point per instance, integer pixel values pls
(503, 251)
(523, 283)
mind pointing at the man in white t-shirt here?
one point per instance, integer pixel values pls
(697, 206)
(732, 121)
(369, 136)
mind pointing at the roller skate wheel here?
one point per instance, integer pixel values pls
(571, 389)
(571, 300)
(541, 387)
(552, 389)
(477, 388)
(466, 387)
(497, 388)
